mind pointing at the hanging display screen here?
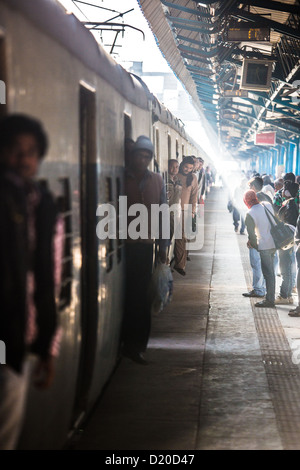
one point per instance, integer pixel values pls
(248, 34)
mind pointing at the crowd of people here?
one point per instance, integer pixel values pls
(187, 184)
(256, 204)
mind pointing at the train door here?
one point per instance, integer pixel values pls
(89, 248)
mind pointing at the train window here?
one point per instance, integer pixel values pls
(182, 151)
(127, 126)
(109, 241)
(169, 147)
(154, 138)
(64, 205)
(3, 82)
(177, 149)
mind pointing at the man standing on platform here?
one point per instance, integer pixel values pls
(146, 188)
(258, 282)
(260, 239)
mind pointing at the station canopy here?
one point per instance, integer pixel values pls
(239, 62)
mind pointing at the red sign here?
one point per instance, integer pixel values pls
(265, 138)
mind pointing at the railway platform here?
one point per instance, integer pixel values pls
(222, 374)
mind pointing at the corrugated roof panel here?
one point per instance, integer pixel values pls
(197, 50)
(154, 13)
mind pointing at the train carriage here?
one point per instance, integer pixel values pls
(54, 70)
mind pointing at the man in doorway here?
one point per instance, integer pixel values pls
(145, 187)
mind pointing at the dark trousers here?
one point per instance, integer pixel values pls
(285, 263)
(236, 220)
(137, 308)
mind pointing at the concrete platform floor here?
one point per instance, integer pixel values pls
(223, 375)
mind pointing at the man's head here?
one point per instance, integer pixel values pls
(142, 153)
(201, 162)
(289, 177)
(278, 184)
(256, 183)
(23, 143)
(196, 163)
(290, 189)
(173, 167)
(187, 165)
(250, 198)
(266, 180)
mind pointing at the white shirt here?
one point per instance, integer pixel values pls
(262, 225)
(269, 190)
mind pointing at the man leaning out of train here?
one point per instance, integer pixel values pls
(144, 187)
(28, 320)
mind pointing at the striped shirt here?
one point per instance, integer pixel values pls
(279, 198)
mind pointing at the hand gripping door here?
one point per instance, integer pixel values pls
(283, 234)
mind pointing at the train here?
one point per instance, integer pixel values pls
(54, 70)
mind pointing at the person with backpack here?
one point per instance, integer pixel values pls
(288, 213)
(260, 239)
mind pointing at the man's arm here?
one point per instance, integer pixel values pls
(277, 201)
(250, 224)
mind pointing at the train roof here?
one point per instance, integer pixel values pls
(52, 19)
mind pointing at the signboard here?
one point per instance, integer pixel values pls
(232, 93)
(248, 34)
(265, 138)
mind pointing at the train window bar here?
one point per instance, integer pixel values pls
(157, 144)
(64, 203)
(120, 244)
(109, 241)
(169, 147)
